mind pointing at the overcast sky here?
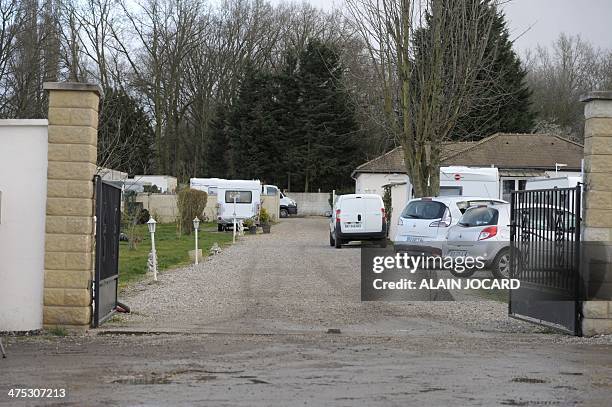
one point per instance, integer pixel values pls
(592, 19)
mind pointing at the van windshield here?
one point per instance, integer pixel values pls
(241, 196)
(424, 210)
(479, 217)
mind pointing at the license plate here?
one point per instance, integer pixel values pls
(414, 239)
(457, 253)
(355, 225)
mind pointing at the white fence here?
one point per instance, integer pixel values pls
(23, 197)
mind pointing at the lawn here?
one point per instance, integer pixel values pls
(172, 250)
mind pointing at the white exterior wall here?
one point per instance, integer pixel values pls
(372, 183)
(23, 182)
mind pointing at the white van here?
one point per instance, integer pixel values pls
(238, 199)
(287, 205)
(358, 217)
(567, 181)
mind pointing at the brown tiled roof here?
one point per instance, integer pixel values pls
(393, 161)
(503, 150)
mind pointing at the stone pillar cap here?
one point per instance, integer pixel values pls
(597, 95)
(74, 86)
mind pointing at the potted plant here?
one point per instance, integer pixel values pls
(249, 223)
(264, 220)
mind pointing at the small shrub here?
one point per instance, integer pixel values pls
(387, 201)
(264, 216)
(191, 203)
(248, 223)
(143, 217)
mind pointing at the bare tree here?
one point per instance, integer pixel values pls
(559, 75)
(430, 61)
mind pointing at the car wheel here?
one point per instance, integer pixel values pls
(219, 227)
(284, 213)
(501, 264)
(331, 240)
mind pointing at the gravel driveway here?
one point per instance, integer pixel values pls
(291, 281)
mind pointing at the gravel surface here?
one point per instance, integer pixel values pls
(292, 281)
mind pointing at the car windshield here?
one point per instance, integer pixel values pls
(424, 210)
(479, 217)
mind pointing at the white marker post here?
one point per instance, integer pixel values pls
(196, 227)
(151, 224)
(234, 195)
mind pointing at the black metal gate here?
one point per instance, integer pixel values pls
(545, 234)
(108, 226)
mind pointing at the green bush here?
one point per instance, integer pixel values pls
(191, 203)
(264, 216)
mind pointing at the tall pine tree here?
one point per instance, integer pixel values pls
(505, 105)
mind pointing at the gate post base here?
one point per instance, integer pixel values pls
(597, 318)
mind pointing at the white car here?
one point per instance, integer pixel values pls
(424, 222)
(483, 231)
(358, 217)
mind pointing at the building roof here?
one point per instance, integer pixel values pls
(502, 150)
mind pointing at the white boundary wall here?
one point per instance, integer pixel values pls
(23, 185)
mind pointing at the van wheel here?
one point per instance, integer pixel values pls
(219, 227)
(284, 213)
(337, 242)
(383, 242)
(331, 240)
(501, 264)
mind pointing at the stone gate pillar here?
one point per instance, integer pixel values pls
(597, 224)
(69, 243)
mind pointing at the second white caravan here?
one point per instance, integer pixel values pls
(237, 199)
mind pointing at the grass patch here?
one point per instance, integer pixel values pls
(172, 249)
(58, 331)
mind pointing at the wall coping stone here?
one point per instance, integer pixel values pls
(596, 95)
(73, 86)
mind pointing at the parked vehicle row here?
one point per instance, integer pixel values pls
(478, 227)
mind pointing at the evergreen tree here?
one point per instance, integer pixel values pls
(298, 123)
(504, 105)
(217, 153)
(125, 135)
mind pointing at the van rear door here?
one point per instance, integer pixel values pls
(352, 214)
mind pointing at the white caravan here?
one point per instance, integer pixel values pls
(208, 185)
(468, 181)
(238, 199)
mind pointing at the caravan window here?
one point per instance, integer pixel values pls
(242, 196)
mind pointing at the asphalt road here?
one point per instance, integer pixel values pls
(249, 327)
